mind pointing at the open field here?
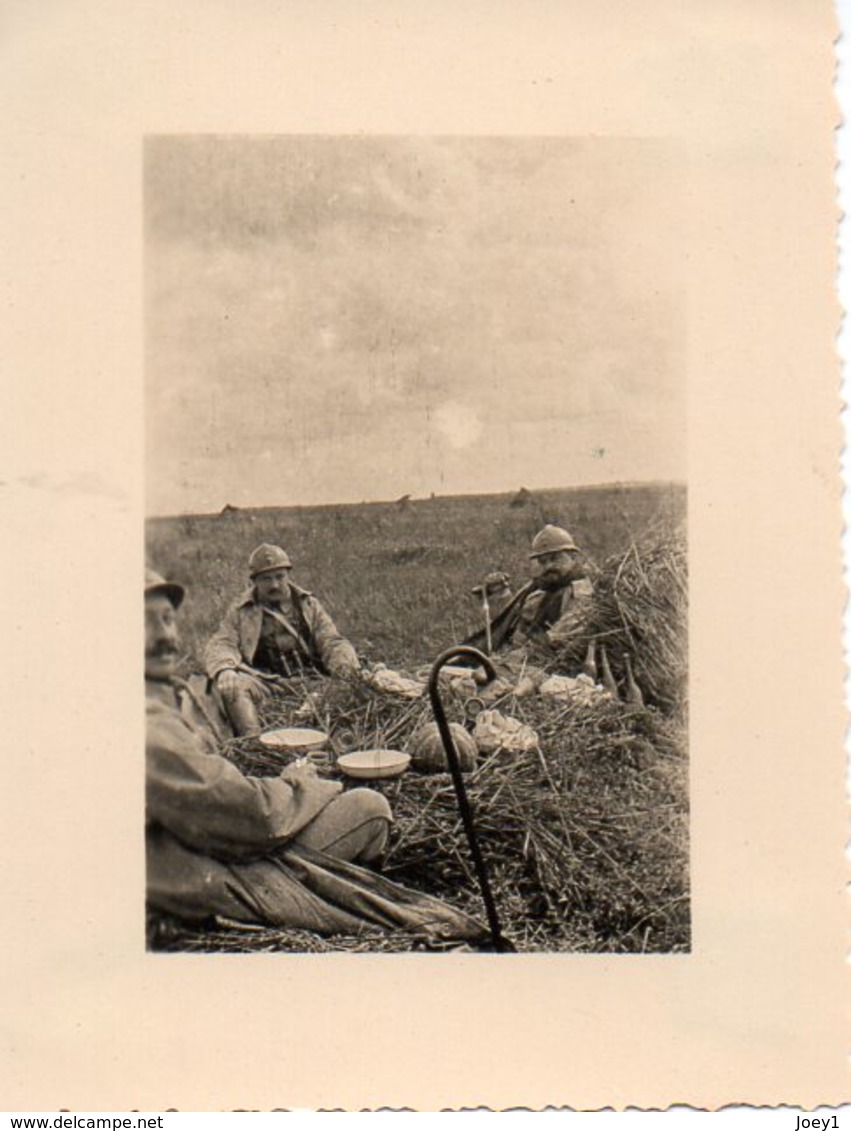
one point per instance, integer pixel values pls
(587, 837)
(396, 579)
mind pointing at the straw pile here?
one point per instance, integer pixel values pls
(355, 716)
(585, 837)
(640, 606)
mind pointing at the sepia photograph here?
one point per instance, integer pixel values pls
(462, 385)
(416, 589)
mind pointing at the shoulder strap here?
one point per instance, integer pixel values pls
(504, 623)
(284, 621)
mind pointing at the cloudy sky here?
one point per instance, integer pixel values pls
(345, 319)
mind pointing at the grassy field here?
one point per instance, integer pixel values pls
(588, 836)
(396, 579)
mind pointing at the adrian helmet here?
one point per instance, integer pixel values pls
(268, 557)
(550, 540)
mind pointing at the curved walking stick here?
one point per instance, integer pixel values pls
(499, 942)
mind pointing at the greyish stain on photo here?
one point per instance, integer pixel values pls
(402, 360)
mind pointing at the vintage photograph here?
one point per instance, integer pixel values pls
(416, 582)
(462, 383)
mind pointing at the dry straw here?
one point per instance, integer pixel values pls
(640, 607)
(585, 836)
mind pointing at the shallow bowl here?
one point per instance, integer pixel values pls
(373, 764)
(294, 740)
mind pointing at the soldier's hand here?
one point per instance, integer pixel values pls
(227, 681)
(302, 766)
(321, 761)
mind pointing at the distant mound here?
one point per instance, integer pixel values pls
(522, 499)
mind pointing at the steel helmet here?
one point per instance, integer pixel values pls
(156, 583)
(550, 540)
(267, 557)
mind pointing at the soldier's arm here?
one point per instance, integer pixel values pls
(335, 652)
(209, 805)
(222, 651)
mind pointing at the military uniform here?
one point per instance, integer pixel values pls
(300, 637)
(552, 617)
(280, 851)
(255, 641)
(548, 611)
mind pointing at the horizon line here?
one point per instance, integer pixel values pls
(412, 499)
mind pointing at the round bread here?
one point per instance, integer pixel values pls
(428, 755)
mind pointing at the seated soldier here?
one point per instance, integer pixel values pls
(280, 851)
(273, 631)
(550, 608)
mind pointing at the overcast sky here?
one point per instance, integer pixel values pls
(346, 319)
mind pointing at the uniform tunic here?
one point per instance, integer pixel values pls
(302, 632)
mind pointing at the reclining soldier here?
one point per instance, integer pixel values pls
(274, 630)
(550, 608)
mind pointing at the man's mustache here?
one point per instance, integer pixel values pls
(161, 651)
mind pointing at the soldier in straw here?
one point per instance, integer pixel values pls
(552, 606)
